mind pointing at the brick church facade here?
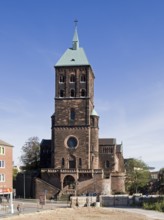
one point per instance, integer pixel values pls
(76, 161)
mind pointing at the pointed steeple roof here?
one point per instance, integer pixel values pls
(94, 113)
(74, 56)
(75, 44)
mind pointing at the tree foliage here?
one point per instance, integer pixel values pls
(15, 172)
(156, 185)
(161, 181)
(31, 154)
(137, 175)
(161, 175)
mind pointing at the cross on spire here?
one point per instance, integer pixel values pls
(75, 22)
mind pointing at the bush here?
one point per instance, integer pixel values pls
(158, 206)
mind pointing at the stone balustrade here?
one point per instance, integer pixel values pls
(51, 170)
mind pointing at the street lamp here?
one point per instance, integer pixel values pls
(24, 185)
(3, 191)
(76, 187)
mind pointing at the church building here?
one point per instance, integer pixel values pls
(76, 161)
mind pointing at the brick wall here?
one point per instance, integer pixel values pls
(94, 143)
(88, 85)
(53, 179)
(118, 182)
(63, 151)
(8, 169)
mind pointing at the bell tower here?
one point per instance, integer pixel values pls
(75, 160)
(75, 122)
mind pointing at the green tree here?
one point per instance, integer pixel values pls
(161, 181)
(31, 154)
(15, 172)
(137, 175)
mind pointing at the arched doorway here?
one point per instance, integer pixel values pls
(69, 182)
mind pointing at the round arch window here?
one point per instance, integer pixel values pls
(72, 142)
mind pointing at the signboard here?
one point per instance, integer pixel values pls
(5, 190)
(42, 199)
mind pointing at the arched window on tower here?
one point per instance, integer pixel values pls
(92, 121)
(83, 78)
(107, 164)
(72, 78)
(83, 93)
(62, 163)
(61, 79)
(72, 114)
(61, 93)
(72, 93)
(80, 163)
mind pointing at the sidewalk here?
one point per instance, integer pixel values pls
(30, 207)
(148, 213)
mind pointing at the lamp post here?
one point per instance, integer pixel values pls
(45, 195)
(11, 202)
(77, 203)
(3, 191)
(24, 185)
(76, 187)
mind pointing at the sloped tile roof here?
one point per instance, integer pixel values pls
(73, 58)
(5, 143)
(107, 141)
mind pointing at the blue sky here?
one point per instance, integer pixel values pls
(124, 42)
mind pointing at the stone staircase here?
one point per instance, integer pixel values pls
(42, 187)
(64, 197)
(86, 186)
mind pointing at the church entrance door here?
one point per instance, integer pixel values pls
(69, 182)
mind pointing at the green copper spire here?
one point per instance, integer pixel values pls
(94, 113)
(75, 44)
(74, 56)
